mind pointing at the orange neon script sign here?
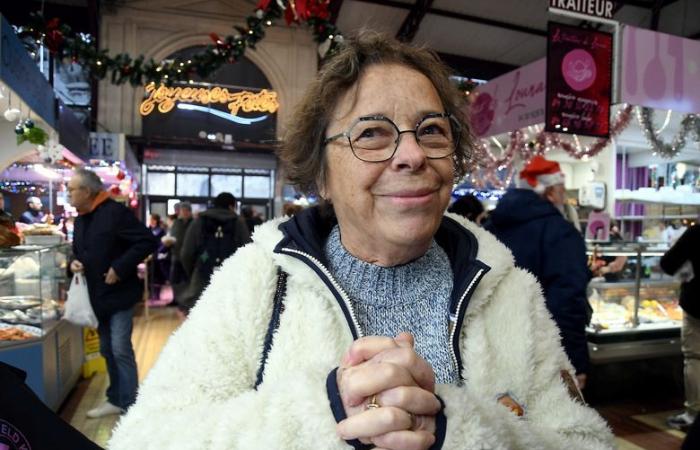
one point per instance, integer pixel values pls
(165, 98)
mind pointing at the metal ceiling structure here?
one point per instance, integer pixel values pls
(485, 38)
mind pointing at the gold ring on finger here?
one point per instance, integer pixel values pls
(373, 403)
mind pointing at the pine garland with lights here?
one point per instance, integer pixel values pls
(467, 85)
(690, 122)
(80, 48)
(26, 130)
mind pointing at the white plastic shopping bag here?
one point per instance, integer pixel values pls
(78, 308)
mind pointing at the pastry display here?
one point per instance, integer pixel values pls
(41, 229)
(14, 334)
(614, 307)
(18, 333)
(20, 302)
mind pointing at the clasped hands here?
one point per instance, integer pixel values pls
(387, 371)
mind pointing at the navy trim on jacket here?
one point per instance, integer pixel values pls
(308, 231)
(305, 235)
(339, 414)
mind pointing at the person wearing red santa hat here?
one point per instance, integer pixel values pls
(529, 220)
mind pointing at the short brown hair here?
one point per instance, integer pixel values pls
(302, 152)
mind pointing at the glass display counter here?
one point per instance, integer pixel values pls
(33, 286)
(636, 313)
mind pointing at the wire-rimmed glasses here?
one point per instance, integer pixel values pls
(376, 138)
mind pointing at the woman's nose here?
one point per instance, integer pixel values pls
(409, 154)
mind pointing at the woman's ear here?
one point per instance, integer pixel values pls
(322, 191)
(321, 186)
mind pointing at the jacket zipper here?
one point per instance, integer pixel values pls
(459, 312)
(353, 317)
(338, 288)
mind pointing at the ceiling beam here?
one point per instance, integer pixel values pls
(465, 17)
(409, 27)
(474, 67)
(636, 3)
(648, 4)
(656, 15)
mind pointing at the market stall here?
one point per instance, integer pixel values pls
(645, 172)
(33, 277)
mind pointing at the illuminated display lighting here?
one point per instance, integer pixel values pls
(223, 115)
(165, 98)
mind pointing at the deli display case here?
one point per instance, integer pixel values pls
(33, 337)
(636, 314)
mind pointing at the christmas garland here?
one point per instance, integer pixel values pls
(488, 165)
(646, 122)
(65, 44)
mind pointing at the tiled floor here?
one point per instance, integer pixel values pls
(637, 423)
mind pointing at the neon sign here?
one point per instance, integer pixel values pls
(165, 98)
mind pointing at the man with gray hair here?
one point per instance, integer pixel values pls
(108, 244)
(33, 214)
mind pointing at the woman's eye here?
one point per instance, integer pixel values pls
(432, 129)
(373, 133)
(367, 133)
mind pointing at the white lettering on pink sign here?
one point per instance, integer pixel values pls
(511, 101)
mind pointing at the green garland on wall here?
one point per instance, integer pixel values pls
(66, 44)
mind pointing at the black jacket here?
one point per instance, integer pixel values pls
(194, 236)
(26, 422)
(687, 248)
(111, 236)
(546, 244)
(191, 250)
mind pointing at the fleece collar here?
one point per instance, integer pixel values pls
(308, 231)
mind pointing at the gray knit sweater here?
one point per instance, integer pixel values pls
(413, 297)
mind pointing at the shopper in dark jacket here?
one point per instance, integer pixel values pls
(158, 275)
(686, 250)
(108, 244)
(529, 221)
(206, 246)
(178, 277)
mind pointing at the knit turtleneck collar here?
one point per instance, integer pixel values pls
(369, 283)
(413, 297)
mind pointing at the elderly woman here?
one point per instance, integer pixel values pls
(374, 320)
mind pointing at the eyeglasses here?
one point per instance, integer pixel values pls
(376, 138)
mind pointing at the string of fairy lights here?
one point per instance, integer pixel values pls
(66, 44)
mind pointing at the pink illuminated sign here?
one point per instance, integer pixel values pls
(511, 101)
(660, 71)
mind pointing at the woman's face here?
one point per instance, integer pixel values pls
(388, 211)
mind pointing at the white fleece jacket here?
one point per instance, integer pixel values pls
(199, 394)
